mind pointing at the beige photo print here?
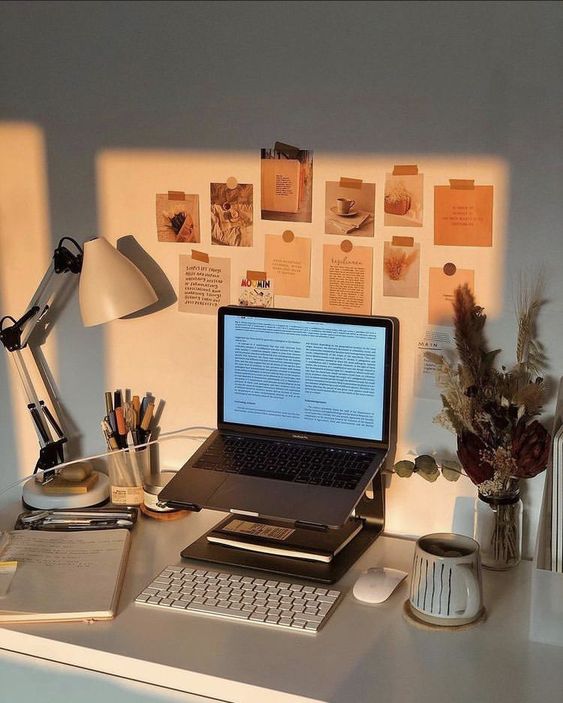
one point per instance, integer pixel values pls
(177, 217)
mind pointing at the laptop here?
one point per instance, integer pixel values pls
(303, 416)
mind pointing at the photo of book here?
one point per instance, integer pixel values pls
(231, 214)
(287, 185)
(256, 294)
(349, 210)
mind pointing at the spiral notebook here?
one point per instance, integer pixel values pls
(62, 576)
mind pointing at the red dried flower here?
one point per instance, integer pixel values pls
(471, 451)
(530, 448)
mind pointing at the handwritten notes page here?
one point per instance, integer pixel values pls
(463, 215)
(347, 279)
(288, 264)
(64, 575)
(204, 287)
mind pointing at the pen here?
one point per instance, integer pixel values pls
(121, 428)
(116, 399)
(109, 405)
(109, 435)
(146, 421)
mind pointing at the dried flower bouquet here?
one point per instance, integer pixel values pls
(492, 411)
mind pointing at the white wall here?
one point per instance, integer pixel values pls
(463, 83)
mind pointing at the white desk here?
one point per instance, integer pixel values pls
(364, 653)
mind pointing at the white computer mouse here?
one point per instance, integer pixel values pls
(377, 584)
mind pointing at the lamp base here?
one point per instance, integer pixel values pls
(35, 498)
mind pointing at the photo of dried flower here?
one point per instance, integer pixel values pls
(231, 214)
(403, 200)
(177, 217)
(401, 270)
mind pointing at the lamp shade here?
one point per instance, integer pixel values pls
(111, 286)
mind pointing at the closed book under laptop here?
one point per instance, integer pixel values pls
(303, 416)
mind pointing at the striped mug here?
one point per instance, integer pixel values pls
(446, 586)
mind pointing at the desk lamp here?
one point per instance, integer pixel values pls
(110, 286)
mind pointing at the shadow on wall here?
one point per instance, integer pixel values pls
(25, 247)
(130, 248)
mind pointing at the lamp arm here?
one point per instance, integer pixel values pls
(15, 337)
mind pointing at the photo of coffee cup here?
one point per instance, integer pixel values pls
(344, 205)
(446, 586)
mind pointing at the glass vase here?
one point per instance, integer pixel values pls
(498, 529)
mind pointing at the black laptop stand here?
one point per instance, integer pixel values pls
(370, 512)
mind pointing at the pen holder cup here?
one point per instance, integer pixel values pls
(128, 471)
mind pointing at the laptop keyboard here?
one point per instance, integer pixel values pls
(285, 461)
(280, 604)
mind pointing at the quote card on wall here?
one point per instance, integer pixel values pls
(347, 278)
(463, 214)
(205, 283)
(287, 260)
(441, 286)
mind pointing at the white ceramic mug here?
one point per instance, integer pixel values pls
(344, 205)
(446, 586)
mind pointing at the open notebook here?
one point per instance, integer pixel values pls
(62, 575)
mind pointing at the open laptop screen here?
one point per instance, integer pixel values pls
(303, 372)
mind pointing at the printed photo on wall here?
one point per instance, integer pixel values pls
(438, 340)
(287, 259)
(256, 293)
(403, 197)
(287, 184)
(231, 214)
(401, 267)
(442, 283)
(347, 278)
(349, 207)
(177, 217)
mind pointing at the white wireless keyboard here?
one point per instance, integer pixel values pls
(280, 604)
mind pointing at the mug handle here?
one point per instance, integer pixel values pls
(352, 203)
(473, 604)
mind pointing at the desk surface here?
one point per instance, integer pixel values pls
(364, 653)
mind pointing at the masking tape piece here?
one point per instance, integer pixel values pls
(405, 170)
(288, 236)
(449, 269)
(231, 183)
(350, 183)
(402, 241)
(346, 246)
(461, 184)
(200, 256)
(176, 195)
(256, 275)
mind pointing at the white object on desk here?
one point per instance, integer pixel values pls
(376, 585)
